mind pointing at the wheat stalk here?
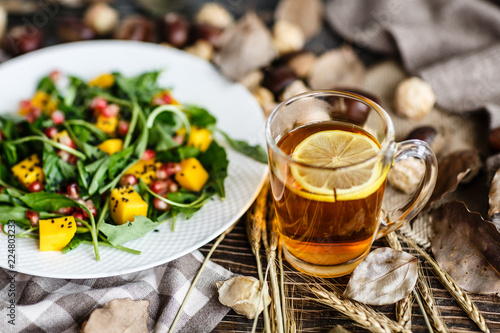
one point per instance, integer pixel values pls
(429, 304)
(453, 288)
(363, 315)
(256, 227)
(271, 245)
(404, 306)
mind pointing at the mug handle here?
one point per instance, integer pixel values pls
(395, 218)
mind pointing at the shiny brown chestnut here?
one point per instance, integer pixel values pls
(494, 139)
(204, 31)
(175, 30)
(72, 29)
(22, 39)
(429, 134)
(136, 28)
(276, 79)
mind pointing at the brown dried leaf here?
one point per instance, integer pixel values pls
(119, 316)
(306, 14)
(384, 277)
(467, 247)
(337, 68)
(458, 167)
(245, 46)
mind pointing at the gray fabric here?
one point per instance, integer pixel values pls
(453, 45)
(58, 305)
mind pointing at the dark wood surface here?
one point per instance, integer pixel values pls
(234, 252)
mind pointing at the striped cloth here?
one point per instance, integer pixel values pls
(58, 305)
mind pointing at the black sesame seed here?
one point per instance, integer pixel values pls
(26, 176)
(69, 226)
(70, 223)
(62, 225)
(131, 191)
(52, 221)
(32, 169)
(23, 166)
(182, 174)
(194, 166)
(65, 219)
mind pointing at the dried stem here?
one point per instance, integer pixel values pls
(453, 288)
(207, 258)
(429, 304)
(271, 245)
(256, 226)
(363, 315)
(421, 305)
(404, 306)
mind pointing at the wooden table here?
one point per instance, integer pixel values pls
(234, 252)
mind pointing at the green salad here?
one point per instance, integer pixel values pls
(107, 161)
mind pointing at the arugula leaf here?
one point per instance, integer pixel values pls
(12, 213)
(161, 137)
(99, 175)
(56, 171)
(76, 241)
(186, 198)
(46, 85)
(10, 152)
(256, 152)
(49, 202)
(118, 234)
(199, 116)
(118, 161)
(214, 160)
(187, 152)
(92, 151)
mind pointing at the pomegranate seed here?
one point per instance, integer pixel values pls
(55, 75)
(58, 117)
(149, 154)
(51, 132)
(158, 101)
(79, 224)
(73, 191)
(66, 140)
(91, 207)
(36, 112)
(161, 205)
(173, 168)
(161, 172)
(25, 104)
(65, 210)
(78, 215)
(98, 103)
(123, 127)
(128, 179)
(173, 187)
(33, 216)
(179, 139)
(30, 118)
(110, 111)
(36, 186)
(64, 155)
(72, 159)
(159, 186)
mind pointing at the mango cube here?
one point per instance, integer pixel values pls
(192, 175)
(107, 125)
(200, 138)
(146, 170)
(104, 81)
(29, 171)
(125, 204)
(111, 146)
(56, 233)
(63, 137)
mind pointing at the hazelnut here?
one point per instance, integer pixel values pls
(414, 98)
(430, 135)
(287, 37)
(277, 78)
(253, 79)
(72, 29)
(263, 96)
(101, 17)
(206, 32)
(406, 175)
(23, 39)
(302, 63)
(215, 15)
(202, 49)
(3, 22)
(294, 88)
(136, 28)
(175, 30)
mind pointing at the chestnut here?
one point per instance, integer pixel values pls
(494, 139)
(175, 30)
(72, 29)
(276, 79)
(22, 39)
(204, 31)
(350, 109)
(136, 28)
(430, 135)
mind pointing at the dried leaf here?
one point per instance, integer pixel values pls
(458, 167)
(467, 247)
(384, 277)
(245, 46)
(119, 316)
(306, 14)
(337, 68)
(243, 295)
(494, 200)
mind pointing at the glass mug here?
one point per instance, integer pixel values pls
(329, 156)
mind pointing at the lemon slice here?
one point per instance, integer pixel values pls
(335, 149)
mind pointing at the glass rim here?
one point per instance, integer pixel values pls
(384, 145)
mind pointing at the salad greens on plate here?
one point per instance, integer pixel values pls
(107, 161)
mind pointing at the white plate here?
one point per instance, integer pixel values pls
(193, 81)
